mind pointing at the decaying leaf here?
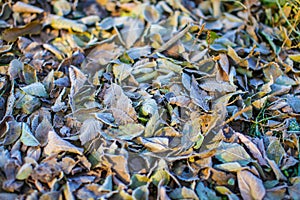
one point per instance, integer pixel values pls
(251, 187)
(120, 105)
(149, 99)
(89, 130)
(12, 34)
(57, 145)
(26, 8)
(232, 153)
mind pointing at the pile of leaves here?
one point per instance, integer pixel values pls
(147, 99)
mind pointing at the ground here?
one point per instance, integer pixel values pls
(175, 99)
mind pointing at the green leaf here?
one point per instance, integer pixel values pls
(36, 89)
(141, 193)
(27, 138)
(24, 172)
(183, 193)
(138, 180)
(205, 193)
(160, 175)
(295, 57)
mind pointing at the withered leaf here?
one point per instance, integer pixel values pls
(199, 96)
(89, 130)
(12, 34)
(120, 105)
(57, 145)
(22, 7)
(251, 187)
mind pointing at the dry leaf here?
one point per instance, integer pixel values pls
(120, 105)
(250, 186)
(89, 130)
(12, 34)
(57, 145)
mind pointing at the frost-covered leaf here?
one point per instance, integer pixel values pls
(57, 145)
(36, 89)
(213, 85)
(62, 7)
(27, 138)
(252, 148)
(199, 96)
(132, 30)
(233, 153)
(89, 130)
(183, 193)
(22, 7)
(42, 131)
(160, 176)
(106, 118)
(295, 57)
(118, 163)
(24, 172)
(141, 192)
(151, 14)
(251, 187)
(128, 131)
(120, 105)
(152, 125)
(275, 151)
(155, 144)
(58, 22)
(138, 180)
(205, 193)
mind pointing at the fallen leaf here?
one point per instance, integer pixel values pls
(57, 145)
(120, 105)
(12, 34)
(22, 7)
(250, 186)
(27, 137)
(89, 130)
(232, 153)
(36, 89)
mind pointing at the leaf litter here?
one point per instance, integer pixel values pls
(149, 99)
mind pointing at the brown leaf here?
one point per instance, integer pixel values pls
(12, 34)
(56, 145)
(89, 130)
(250, 186)
(120, 105)
(253, 148)
(22, 7)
